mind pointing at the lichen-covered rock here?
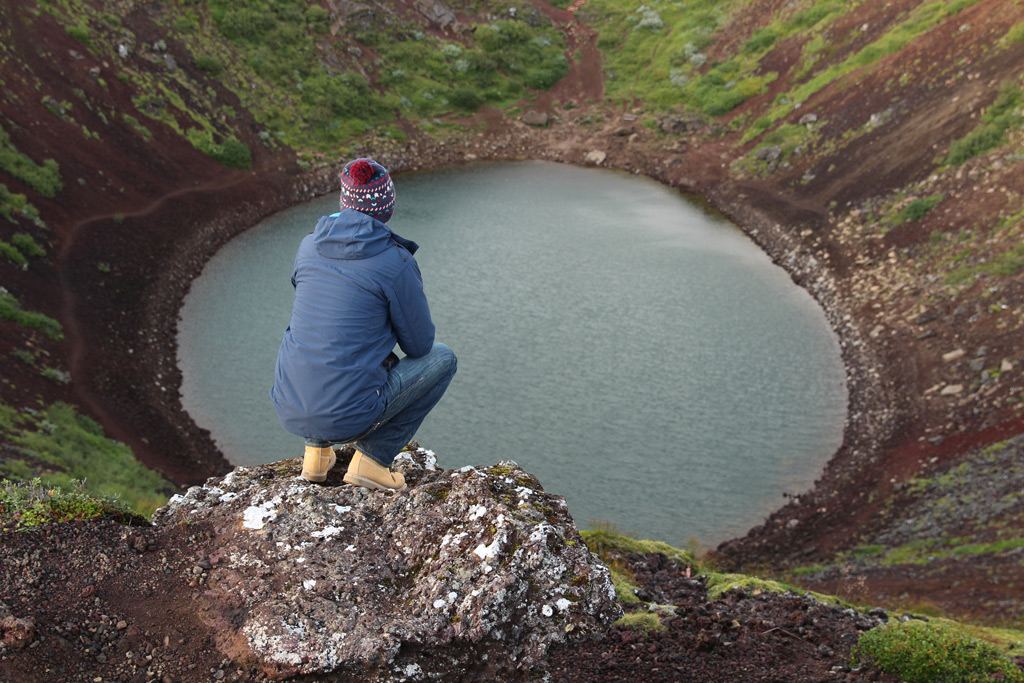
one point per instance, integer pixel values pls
(468, 574)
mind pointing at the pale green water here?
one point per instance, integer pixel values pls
(643, 359)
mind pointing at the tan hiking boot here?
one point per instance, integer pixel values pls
(363, 471)
(316, 462)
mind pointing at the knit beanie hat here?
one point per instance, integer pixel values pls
(367, 187)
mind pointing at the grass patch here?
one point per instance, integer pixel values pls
(647, 622)
(923, 652)
(1002, 115)
(67, 450)
(24, 505)
(9, 252)
(13, 204)
(44, 179)
(917, 209)
(24, 243)
(10, 309)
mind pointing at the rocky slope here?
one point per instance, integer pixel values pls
(925, 293)
(469, 575)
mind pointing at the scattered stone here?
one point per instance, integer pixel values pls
(625, 132)
(436, 13)
(1006, 365)
(596, 157)
(770, 153)
(535, 118)
(17, 633)
(953, 355)
(952, 390)
(808, 120)
(977, 364)
(468, 573)
(981, 352)
(673, 125)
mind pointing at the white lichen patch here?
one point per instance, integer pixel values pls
(487, 552)
(546, 610)
(328, 532)
(476, 512)
(309, 584)
(562, 604)
(256, 516)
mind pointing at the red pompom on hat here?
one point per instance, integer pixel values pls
(367, 187)
(361, 171)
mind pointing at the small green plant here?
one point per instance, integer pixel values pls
(62, 447)
(233, 153)
(24, 505)
(916, 209)
(642, 621)
(57, 375)
(10, 309)
(1014, 35)
(44, 179)
(25, 356)
(80, 33)
(9, 252)
(27, 246)
(211, 66)
(1002, 115)
(923, 652)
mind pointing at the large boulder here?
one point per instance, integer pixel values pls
(468, 574)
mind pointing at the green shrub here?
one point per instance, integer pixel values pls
(465, 98)
(233, 153)
(12, 203)
(1014, 35)
(916, 209)
(977, 142)
(183, 24)
(722, 102)
(544, 78)
(24, 505)
(9, 252)
(44, 179)
(79, 33)
(10, 309)
(811, 16)
(762, 40)
(318, 17)
(209, 65)
(27, 246)
(75, 449)
(923, 652)
(25, 356)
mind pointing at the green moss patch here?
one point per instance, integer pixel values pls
(923, 652)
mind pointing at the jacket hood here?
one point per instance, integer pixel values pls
(351, 234)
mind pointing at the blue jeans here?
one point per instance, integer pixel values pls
(413, 388)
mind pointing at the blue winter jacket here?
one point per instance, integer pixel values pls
(358, 291)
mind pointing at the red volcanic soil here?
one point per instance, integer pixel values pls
(138, 219)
